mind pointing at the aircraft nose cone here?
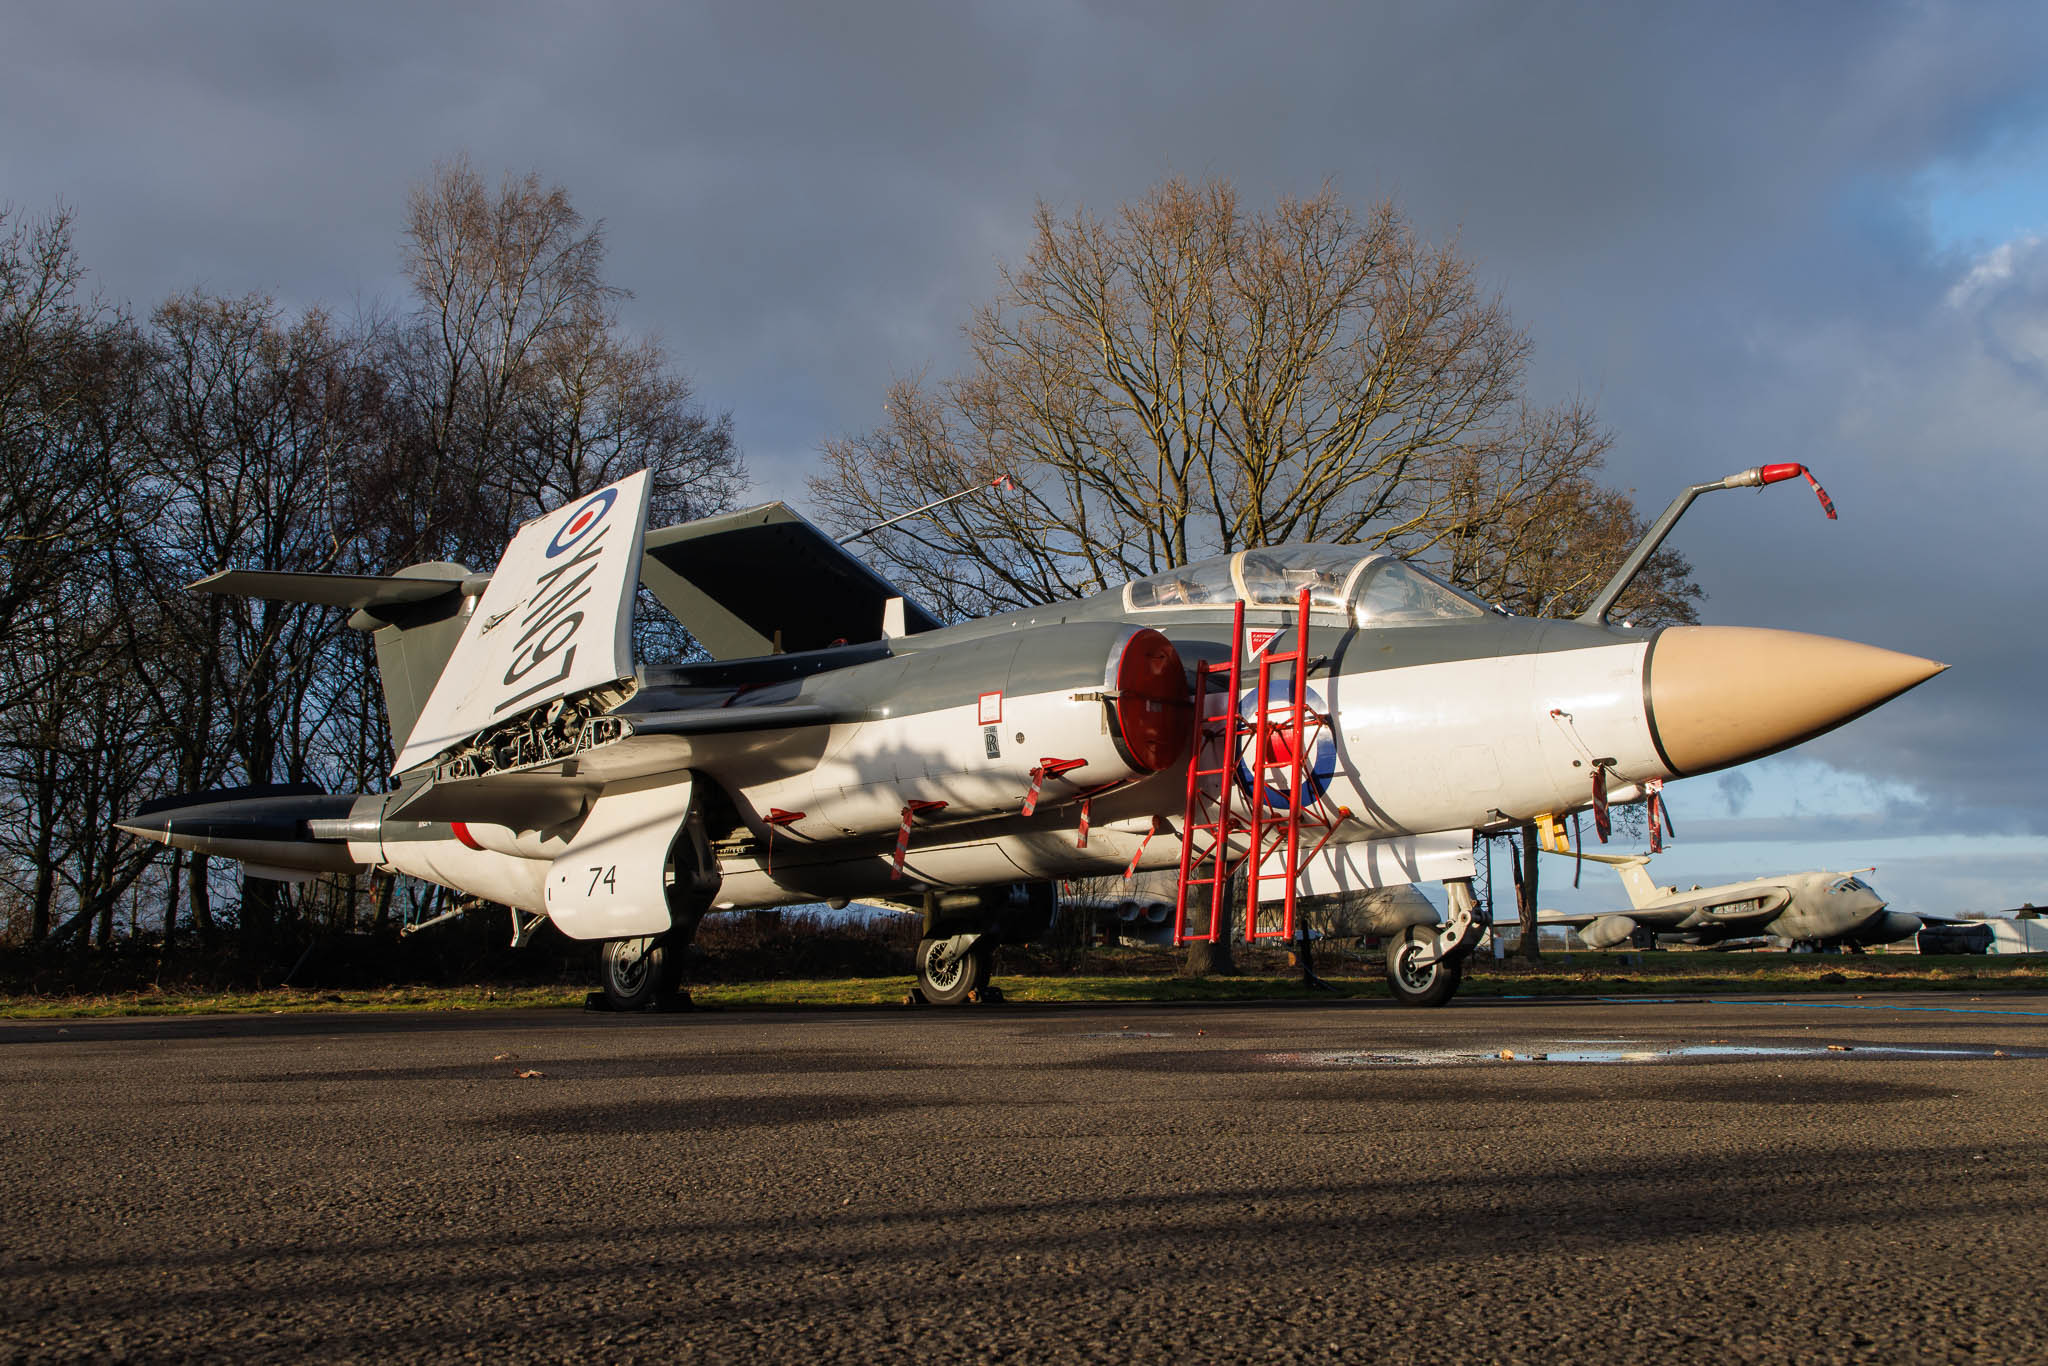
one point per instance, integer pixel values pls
(1720, 695)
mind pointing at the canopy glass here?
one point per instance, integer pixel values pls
(1372, 588)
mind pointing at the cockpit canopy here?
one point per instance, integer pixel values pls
(1371, 588)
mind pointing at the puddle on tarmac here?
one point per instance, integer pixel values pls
(1631, 1050)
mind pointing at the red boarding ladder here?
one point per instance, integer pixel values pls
(1283, 733)
(1207, 818)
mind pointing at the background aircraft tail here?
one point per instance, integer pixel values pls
(1633, 869)
(1635, 877)
(415, 617)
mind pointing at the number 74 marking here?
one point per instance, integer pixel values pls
(608, 876)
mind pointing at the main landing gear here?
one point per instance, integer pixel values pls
(646, 973)
(962, 927)
(951, 970)
(642, 974)
(1425, 963)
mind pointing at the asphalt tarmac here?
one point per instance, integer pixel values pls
(1829, 1180)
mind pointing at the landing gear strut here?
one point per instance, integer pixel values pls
(962, 927)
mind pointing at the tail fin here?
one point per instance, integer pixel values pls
(1635, 876)
(414, 616)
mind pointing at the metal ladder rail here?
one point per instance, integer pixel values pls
(1191, 809)
(1219, 829)
(1293, 717)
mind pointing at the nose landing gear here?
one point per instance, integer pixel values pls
(1425, 963)
(1416, 974)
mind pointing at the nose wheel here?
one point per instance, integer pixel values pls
(1425, 963)
(1417, 974)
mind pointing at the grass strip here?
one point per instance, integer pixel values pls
(1583, 975)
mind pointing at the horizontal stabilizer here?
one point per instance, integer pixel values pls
(332, 590)
(1611, 860)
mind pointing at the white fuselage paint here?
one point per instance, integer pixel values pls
(486, 873)
(1442, 746)
(871, 770)
(1429, 748)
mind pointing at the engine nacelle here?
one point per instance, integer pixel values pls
(1890, 928)
(1608, 931)
(1095, 705)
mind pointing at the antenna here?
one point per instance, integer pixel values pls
(1002, 482)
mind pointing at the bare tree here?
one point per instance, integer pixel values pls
(526, 390)
(228, 432)
(67, 368)
(1532, 529)
(257, 425)
(1188, 377)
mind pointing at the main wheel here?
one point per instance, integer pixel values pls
(948, 980)
(639, 974)
(1414, 984)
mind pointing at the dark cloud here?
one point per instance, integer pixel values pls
(1713, 219)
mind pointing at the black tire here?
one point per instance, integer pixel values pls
(1425, 986)
(953, 983)
(639, 974)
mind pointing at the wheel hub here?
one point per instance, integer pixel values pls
(944, 972)
(1414, 976)
(628, 963)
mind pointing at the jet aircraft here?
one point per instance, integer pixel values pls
(839, 742)
(1817, 910)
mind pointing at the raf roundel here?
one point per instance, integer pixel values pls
(587, 515)
(1318, 766)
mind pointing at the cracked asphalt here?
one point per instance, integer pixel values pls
(1285, 1182)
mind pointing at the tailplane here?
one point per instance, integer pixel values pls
(415, 617)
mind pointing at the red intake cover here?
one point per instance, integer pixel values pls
(1154, 711)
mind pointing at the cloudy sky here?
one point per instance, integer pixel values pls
(1746, 233)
